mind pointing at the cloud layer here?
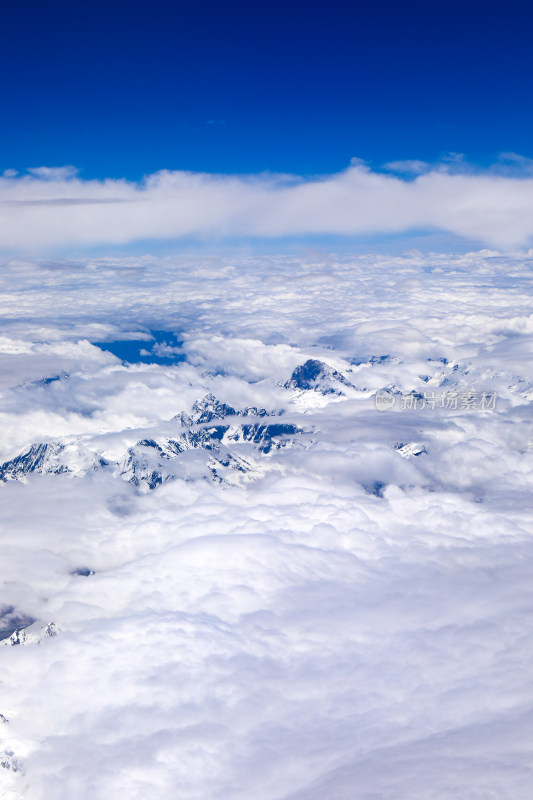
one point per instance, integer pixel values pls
(357, 622)
(52, 208)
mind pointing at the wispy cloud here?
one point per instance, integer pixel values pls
(408, 167)
(54, 173)
(50, 208)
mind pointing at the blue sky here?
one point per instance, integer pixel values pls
(183, 125)
(123, 89)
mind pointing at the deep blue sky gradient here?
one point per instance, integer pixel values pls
(122, 89)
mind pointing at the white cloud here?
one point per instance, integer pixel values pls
(409, 166)
(52, 173)
(299, 637)
(52, 208)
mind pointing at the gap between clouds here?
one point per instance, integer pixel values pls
(49, 208)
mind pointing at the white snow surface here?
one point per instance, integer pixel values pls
(353, 622)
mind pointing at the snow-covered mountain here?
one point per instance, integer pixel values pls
(35, 633)
(52, 458)
(230, 451)
(317, 376)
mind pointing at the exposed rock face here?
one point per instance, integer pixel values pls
(265, 437)
(410, 449)
(317, 376)
(52, 458)
(198, 449)
(33, 634)
(209, 408)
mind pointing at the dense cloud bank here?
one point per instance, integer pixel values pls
(318, 598)
(49, 209)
